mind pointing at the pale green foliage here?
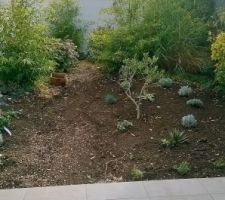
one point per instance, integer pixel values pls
(64, 22)
(175, 138)
(185, 91)
(197, 103)
(110, 99)
(6, 118)
(136, 174)
(189, 121)
(124, 125)
(147, 70)
(183, 168)
(219, 164)
(166, 82)
(24, 52)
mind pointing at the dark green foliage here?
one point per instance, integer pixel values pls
(64, 22)
(24, 53)
(110, 99)
(219, 164)
(176, 137)
(197, 103)
(65, 54)
(157, 27)
(183, 168)
(6, 117)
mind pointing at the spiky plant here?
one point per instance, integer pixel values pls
(197, 103)
(166, 82)
(110, 99)
(124, 125)
(183, 168)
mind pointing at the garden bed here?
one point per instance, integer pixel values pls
(72, 138)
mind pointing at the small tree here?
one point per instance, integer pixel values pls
(147, 70)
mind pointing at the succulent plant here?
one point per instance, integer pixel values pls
(189, 121)
(183, 168)
(175, 137)
(185, 91)
(137, 174)
(124, 125)
(197, 103)
(166, 82)
(110, 99)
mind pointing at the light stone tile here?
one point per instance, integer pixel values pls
(57, 193)
(133, 190)
(194, 197)
(213, 185)
(174, 188)
(218, 196)
(14, 194)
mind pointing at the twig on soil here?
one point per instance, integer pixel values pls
(111, 161)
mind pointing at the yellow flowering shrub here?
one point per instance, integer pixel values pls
(218, 55)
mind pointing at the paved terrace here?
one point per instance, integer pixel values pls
(191, 189)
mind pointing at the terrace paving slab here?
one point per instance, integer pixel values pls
(183, 189)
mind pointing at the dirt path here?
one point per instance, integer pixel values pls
(72, 138)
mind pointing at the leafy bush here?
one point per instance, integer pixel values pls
(185, 91)
(6, 118)
(24, 53)
(166, 82)
(136, 174)
(147, 70)
(219, 164)
(189, 121)
(65, 54)
(218, 55)
(124, 125)
(158, 27)
(110, 99)
(63, 20)
(176, 137)
(197, 103)
(183, 168)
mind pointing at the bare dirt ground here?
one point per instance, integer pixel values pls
(72, 137)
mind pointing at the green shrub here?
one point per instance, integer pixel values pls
(110, 99)
(219, 164)
(136, 174)
(65, 54)
(189, 121)
(166, 82)
(157, 27)
(6, 118)
(218, 55)
(124, 125)
(197, 103)
(185, 91)
(176, 137)
(183, 168)
(24, 52)
(63, 20)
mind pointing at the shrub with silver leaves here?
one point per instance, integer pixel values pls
(189, 121)
(166, 82)
(197, 103)
(185, 91)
